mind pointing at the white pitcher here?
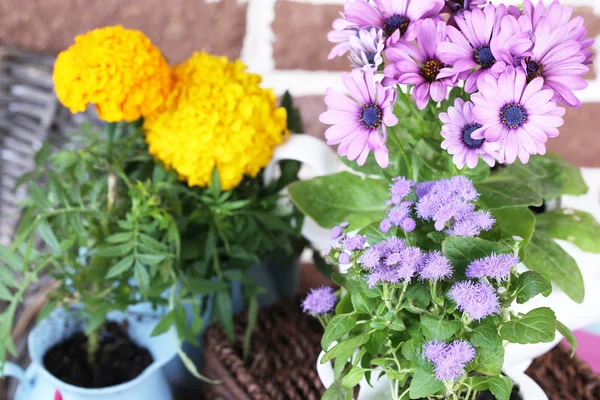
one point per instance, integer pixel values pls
(36, 383)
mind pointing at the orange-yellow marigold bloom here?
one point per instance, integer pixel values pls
(217, 115)
(118, 70)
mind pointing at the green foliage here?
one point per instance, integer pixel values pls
(537, 326)
(577, 227)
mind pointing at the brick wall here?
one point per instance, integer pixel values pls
(282, 39)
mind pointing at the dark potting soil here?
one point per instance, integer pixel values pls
(118, 359)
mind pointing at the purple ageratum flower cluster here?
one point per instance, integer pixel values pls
(477, 299)
(360, 125)
(399, 214)
(449, 360)
(435, 267)
(498, 266)
(449, 203)
(319, 301)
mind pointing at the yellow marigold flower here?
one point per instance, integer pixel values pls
(117, 69)
(217, 115)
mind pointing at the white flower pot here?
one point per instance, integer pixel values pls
(381, 388)
(38, 384)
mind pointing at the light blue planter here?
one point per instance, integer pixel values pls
(38, 384)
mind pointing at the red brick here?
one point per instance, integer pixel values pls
(178, 27)
(301, 37)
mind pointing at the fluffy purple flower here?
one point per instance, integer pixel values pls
(395, 17)
(409, 224)
(383, 274)
(357, 242)
(373, 257)
(458, 127)
(420, 64)
(494, 266)
(398, 213)
(435, 266)
(366, 48)
(559, 16)
(472, 224)
(477, 300)
(319, 301)
(344, 258)
(393, 245)
(519, 115)
(359, 125)
(449, 360)
(385, 226)
(336, 232)
(481, 47)
(557, 59)
(400, 188)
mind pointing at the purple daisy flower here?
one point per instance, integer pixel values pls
(420, 64)
(435, 266)
(395, 17)
(557, 59)
(342, 31)
(520, 115)
(449, 360)
(494, 266)
(359, 125)
(457, 130)
(457, 6)
(319, 301)
(558, 16)
(477, 300)
(366, 48)
(481, 47)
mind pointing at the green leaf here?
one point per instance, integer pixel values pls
(204, 286)
(48, 236)
(164, 324)
(344, 349)
(530, 284)
(5, 293)
(95, 320)
(115, 251)
(507, 193)
(225, 312)
(362, 303)
(568, 335)
(374, 234)
(463, 250)
(341, 197)
(424, 384)
(215, 183)
(438, 328)
(141, 277)
(151, 259)
(575, 185)
(337, 392)
(489, 361)
(412, 349)
(545, 256)
(39, 196)
(501, 387)
(486, 336)
(353, 377)
(294, 121)
(252, 318)
(577, 227)
(336, 328)
(537, 326)
(370, 166)
(120, 237)
(376, 342)
(511, 221)
(120, 267)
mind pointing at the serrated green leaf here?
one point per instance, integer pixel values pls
(115, 251)
(568, 335)
(424, 384)
(376, 342)
(362, 303)
(336, 328)
(142, 278)
(337, 392)
(164, 324)
(537, 326)
(151, 259)
(501, 387)
(577, 227)
(486, 336)
(507, 193)
(120, 267)
(438, 328)
(511, 221)
(120, 237)
(345, 349)
(530, 284)
(489, 361)
(545, 256)
(48, 236)
(353, 377)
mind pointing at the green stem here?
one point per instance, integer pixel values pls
(386, 296)
(399, 305)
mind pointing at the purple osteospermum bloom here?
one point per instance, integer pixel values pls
(420, 64)
(436, 266)
(319, 301)
(559, 16)
(449, 360)
(457, 6)
(481, 46)
(494, 266)
(557, 59)
(342, 31)
(394, 17)
(357, 242)
(359, 126)
(477, 300)
(520, 115)
(458, 127)
(400, 188)
(366, 48)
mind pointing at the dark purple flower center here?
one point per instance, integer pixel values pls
(484, 56)
(431, 69)
(371, 116)
(468, 140)
(457, 5)
(534, 69)
(513, 115)
(394, 23)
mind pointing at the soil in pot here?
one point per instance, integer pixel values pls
(118, 359)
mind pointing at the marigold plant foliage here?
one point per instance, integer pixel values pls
(118, 70)
(216, 116)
